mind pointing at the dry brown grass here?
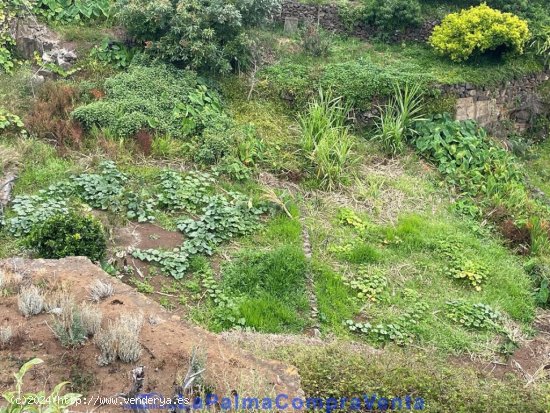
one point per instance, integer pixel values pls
(30, 301)
(49, 117)
(91, 317)
(120, 339)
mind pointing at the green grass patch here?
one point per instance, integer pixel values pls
(40, 166)
(16, 91)
(271, 287)
(278, 273)
(268, 314)
(538, 168)
(335, 300)
(416, 269)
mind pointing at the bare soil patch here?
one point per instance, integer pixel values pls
(167, 342)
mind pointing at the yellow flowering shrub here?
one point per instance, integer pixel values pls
(477, 30)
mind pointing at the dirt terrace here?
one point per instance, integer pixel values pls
(167, 343)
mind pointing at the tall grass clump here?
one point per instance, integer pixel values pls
(325, 138)
(397, 117)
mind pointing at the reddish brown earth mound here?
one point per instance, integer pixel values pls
(167, 342)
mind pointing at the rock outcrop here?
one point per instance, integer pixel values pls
(33, 37)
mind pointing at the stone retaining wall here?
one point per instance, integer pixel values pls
(294, 13)
(514, 101)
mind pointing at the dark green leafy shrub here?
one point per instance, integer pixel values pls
(215, 143)
(466, 156)
(198, 33)
(478, 30)
(113, 53)
(358, 81)
(66, 11)
(155, 97)
(69, 235)
(392, 15)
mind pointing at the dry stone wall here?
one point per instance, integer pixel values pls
(514, 101)
(293, 13)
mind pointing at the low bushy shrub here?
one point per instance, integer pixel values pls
(30, 301)
(90, 318)
(120, 339)
(67, 325)
(199, 34)
(100, 290)
(66, 11)
(478, 30)
(359, 82)
(215, 143)
(68, 235)
(6, 335)
(392, 15)
(157, 97)
(315, 41)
